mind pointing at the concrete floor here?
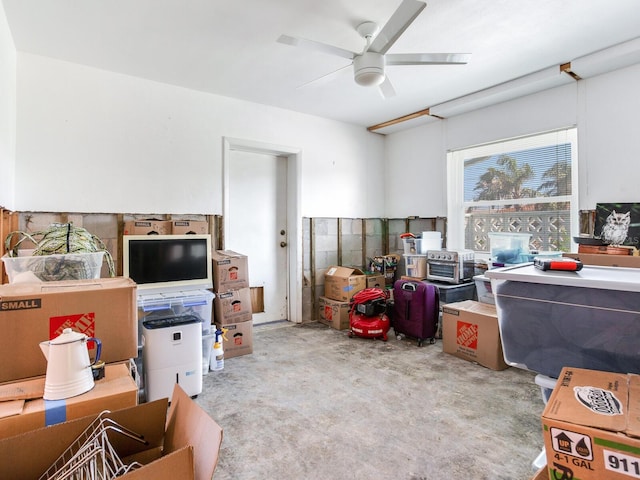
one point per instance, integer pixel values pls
(311, 403)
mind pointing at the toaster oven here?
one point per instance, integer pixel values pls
(450, 266)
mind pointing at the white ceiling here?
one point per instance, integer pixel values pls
(228, 47)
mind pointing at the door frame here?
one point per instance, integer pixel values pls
(293, 157)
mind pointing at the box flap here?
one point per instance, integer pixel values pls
(633, 424)
(220, 254)
(590, 398)
(11, 408)
(472, 306)
(175, 465)
(189, 424)
(343, 272)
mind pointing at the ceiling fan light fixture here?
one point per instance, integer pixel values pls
(368, 69)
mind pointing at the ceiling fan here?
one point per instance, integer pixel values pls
(369, 65)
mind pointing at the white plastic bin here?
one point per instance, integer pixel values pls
(409, 245)
(587, 319)
(483, 289)
(195, 302)
(509, 248)
(416, 265)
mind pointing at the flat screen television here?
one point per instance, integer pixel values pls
(164, 263)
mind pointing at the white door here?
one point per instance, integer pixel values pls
(256, 225)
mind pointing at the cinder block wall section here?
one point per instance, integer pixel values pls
(108, 227)
(352, 242)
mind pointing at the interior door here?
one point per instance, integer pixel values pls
(256, 225)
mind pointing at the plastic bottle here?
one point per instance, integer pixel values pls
(217, 354)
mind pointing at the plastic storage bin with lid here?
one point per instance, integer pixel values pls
(509, 248)
(552, 319)
(416, 265)
(45, 268)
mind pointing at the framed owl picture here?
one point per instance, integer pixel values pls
(618, 223)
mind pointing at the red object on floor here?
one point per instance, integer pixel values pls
(369, 326)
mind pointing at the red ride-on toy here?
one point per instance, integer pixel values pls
(367, 317)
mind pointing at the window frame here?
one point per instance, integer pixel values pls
(457, 206)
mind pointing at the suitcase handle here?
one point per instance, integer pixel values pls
(409, 286)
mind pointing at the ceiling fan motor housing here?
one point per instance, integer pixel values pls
(368, 69)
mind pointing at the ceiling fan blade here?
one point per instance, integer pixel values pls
(317, 46)
(324, 78)
(427, 58)
(386, 89)
(397, 24)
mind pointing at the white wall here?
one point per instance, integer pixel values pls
(609, 138)
(604, 108)
(89, 140)
(7, 114)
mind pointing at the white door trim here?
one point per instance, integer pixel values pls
(294, 220)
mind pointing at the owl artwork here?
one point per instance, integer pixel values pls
(616, 228)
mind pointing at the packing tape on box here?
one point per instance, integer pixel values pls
(55, 411)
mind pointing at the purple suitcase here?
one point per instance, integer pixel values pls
(415, 310)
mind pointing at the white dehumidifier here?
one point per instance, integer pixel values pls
(172, 353)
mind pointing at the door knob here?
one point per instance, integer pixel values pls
(283, 244)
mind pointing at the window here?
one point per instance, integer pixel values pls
(524, 185)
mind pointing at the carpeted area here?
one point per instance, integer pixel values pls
(311, 403)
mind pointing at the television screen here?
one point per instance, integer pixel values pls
(168, 262)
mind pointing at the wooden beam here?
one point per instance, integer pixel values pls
(566, 68)
(405, 118)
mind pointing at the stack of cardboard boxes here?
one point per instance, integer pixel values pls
(165, 227)
(105, 309)
(31, 313)
(340, 285)
(232, 302)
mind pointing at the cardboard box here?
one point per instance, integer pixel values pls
(604, 260)
(31, 313)
(230, 270)
(115, 391)
(147, 227)
(239, 339)
(334, 313)
(233, 306)
(342, 283)
(376, 281)
(184, 444)
(541, 474)
(591, 426)
(188, 227)
(470, 331)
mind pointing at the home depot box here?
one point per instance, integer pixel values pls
(147, 227)
(188, 227)
(233, 306)
(230, 270)
(31, 313)
(333, 313)
(341, 283)
(629, 261)
(470, 331)
(115, 391)
(184, 444)
(239, 339)
(591, 426)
